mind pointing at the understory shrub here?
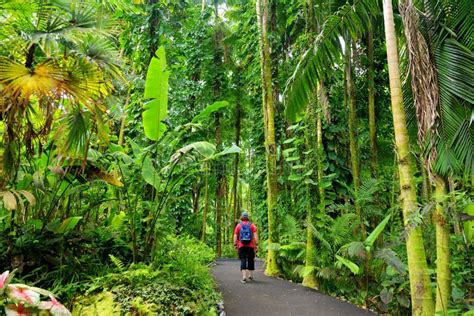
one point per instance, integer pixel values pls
(178, 282)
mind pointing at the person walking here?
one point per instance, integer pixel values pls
(246, 242)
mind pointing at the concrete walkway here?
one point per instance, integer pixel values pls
(270, 296)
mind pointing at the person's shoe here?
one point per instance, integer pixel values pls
(250, 278)
(243, 281)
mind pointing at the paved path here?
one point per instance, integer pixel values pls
(270, 296)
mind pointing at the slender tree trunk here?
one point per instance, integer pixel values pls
(443, 272)
(153, 29)
(320, 161)
(309, 277)
(124, 119)
(269, 124)
(353, 145)
(235, 206)
(206, 204)
(371, 101)
(220, 173)
(220, 194)
(420, 288)
(196, 193)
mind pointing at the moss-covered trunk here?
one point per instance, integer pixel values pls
(420, 288)
(206, 204)
(352, 120)
(269, 125)
(309, 276)
(235, 183)
(443, 272)
(371, 101)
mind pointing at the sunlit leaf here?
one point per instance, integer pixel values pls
(68, 225)
(9, 200)
(156, 92)
(216, 106)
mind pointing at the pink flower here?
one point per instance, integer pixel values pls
(3, 279)
(17, 310)
(23, 293)
(55, 308)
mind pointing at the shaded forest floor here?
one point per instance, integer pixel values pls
(270, 296)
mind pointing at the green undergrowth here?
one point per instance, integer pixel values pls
(178, 282)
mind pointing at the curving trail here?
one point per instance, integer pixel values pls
(270, 296)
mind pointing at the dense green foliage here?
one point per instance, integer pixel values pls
(132, 136)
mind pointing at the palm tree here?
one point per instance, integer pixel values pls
(421, 297)
(66, 65)
(436, 106)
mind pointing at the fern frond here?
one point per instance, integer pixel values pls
(117, 262)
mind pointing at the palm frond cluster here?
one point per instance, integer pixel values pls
(63, 66)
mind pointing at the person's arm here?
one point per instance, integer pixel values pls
(235, 240)
(236, 232)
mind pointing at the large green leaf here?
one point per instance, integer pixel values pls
(234, 149)
(205, 149)
(156, 92)
(68, 225)
(369, 241)
(118, 220)
(349, 264)
(216, 106)
(149, 173)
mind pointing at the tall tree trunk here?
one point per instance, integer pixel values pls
(420, 288)
(425, 90)
(235, 206)
(443, 272)
(206, 204)
(320, 161)
(196, 193)
(371, 101)
(353, 145)
(220, 176)
(269, 124)
(309, 277)
(153, 27)
(220, 194)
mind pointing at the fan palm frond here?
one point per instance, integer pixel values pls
(52, 78)
(21, 82)
(76, 125)
(99, 51)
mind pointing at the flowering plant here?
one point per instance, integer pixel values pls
(23, 300)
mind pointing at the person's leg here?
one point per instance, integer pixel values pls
(251, 263)
(243, 263)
